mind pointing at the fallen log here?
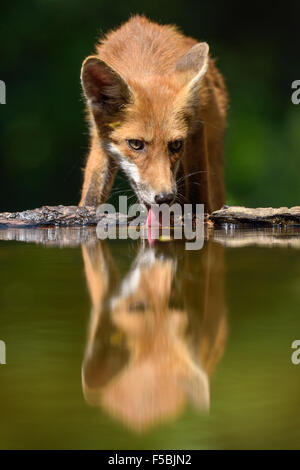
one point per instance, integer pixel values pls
(56, 216)
(263, 217)
(74, 216)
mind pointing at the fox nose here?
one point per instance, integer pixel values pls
(162, 198)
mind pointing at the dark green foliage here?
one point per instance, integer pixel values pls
(43, 136)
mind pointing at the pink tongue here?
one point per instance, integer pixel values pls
(149, 216)
(152, 220)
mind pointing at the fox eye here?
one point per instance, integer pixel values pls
(175, 146)
(135, 144)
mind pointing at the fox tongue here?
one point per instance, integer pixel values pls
(149, 217)
(152, 220)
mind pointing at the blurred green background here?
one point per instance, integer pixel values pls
(43, 135)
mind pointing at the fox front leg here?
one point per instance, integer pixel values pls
(99, 176)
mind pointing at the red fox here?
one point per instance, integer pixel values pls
(157, 109)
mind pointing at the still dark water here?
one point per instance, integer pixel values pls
(118, 346)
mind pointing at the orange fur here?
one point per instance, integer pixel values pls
(150, 82)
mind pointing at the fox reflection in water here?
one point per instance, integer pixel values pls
(156, 333)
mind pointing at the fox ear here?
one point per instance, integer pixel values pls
(194, 65)
(105, 90)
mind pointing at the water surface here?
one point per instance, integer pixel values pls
(115, 345)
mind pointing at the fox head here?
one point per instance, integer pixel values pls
(144, 122)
